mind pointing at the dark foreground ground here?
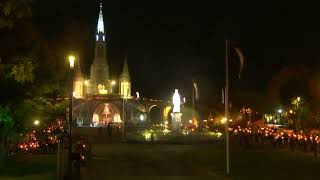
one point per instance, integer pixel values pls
(149, 161)
(144, 161)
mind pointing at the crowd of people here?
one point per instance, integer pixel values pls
(278, 138)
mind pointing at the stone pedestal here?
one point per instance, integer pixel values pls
(176, 122)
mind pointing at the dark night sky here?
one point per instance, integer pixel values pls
(169, 43)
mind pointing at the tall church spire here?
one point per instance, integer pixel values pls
(100, 27)
(99, 72)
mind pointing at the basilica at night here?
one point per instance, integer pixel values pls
(100, 82)
(98, 101)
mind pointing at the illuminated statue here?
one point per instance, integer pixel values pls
(176, 115)
(176, 101)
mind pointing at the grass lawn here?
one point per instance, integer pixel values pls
(142, 161)
(29, 167)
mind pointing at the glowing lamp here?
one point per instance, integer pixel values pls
(113, 82)
(223, 120)
(36, 122)
(141, 117)
(86, 82)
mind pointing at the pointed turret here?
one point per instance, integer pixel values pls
(78, 80)
(77, 69)
(125, 71)
(100, 27)
(99, 72)
(125, 84)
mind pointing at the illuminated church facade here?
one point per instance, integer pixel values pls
(100, 82)
(98, 101)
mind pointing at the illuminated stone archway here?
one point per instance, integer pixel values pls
(155, 115)
(106, 113)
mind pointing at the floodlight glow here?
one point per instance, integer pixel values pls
(113, 82)
(223, 120)
(280, 111)
(102, 89)
(141, 117)
(36, 122)
(86, 82)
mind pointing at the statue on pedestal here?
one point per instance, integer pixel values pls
(176, 114)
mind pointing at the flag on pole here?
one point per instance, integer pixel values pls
(196, 90)
(241, 59)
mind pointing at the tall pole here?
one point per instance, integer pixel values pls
(58, 162)
(123, 120)
(193, 117)
(226, 103)
(298, 111)
(69, 171)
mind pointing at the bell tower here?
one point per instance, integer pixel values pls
(99, 71)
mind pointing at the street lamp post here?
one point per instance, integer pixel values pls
(280, 115)
(298, 113)
(71, 59)
(123, 119)
(226, 103)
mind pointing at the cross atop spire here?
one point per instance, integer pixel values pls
(100, 27)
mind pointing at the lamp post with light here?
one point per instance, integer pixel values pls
(298, 113)
(71, 59)
(280, 115)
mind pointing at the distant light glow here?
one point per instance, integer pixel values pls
(113, 82)
(86, 82)
(141, 117)
(138, 95)
(223, 120)
(102, 89)
(280, 111)
(36, 122)
(117, 118)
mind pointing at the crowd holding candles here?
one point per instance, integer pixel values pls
(278, 138)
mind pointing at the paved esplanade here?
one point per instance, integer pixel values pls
(146, 160)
